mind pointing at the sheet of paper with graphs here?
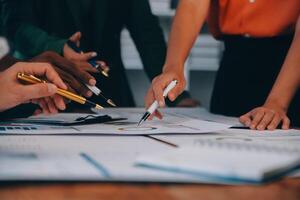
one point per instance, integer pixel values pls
(172, 123)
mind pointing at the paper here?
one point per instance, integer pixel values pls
(234, 162)
(106, 158)
(280, 137)
(171, 124)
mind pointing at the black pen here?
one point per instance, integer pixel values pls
(93, 62)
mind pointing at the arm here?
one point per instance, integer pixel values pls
(149, 40)
(190, 16)
(275, 108)
(21, 28)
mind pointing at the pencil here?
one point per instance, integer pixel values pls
(67, 94)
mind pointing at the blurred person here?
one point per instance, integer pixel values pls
(35, 26)
(257, 36)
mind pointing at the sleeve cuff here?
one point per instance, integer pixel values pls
(56, 46)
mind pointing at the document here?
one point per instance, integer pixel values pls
(126, 125)
(78, 158)
(227, 161)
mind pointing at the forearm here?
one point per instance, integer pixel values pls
(288, 79)
(190, 16)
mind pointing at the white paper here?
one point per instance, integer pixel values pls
(61, 158)
(173, 123)
(251, 163)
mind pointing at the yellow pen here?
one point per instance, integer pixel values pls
(69, 95)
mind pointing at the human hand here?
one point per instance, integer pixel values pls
(75, 77)
(81, 59)
(15, 93)
(157, 87)
(268, 116)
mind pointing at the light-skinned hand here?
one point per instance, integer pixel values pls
(157, 87)
(268, 116)
(15, 93)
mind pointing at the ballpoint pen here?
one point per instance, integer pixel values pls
(67, 94)
(155, 105)
(92, 61)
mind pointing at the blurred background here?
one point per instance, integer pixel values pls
(201, 65)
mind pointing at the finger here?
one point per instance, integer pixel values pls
(80, 89)
(38, 112)
(157, 87)
(103, 66)
(275, 122)
(268, 117)
(86, 56)
(257, 118)
(285, 123)
(86, 67)
(76, 38)
(51, 106)
(36, 91)
(158, 114)
(43, 104)
(59, 102)
(246, 119)
(76, 71)
(44, 70)
(176, 91)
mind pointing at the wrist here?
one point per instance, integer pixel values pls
(174, 68)
(276, 103)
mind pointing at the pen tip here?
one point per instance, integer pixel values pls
(110, 102)
(104, 73)
(98, 107)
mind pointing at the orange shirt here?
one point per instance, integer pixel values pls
(254, 18)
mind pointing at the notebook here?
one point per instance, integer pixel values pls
(227, 162)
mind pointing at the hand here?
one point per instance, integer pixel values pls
(157, 87)
(188, 103)
(15, 93)
(269, 116)
(81, 59)
(72, 75)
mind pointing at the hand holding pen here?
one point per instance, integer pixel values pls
(73, 52)
(154, 106)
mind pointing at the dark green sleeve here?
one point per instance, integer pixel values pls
(21, 28)
(148, 37)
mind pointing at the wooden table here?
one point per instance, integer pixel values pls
(288, 189)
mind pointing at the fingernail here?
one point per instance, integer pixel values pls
(51, 88)
(161, 103)
(259, 127)
(93, 54)
(247, 123)
(92, 82)
(89, 93)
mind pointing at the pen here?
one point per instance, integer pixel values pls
(154, 105)
(69, 95)
(92, 61)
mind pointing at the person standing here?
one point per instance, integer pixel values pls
(257, 35)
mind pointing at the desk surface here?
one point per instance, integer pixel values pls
(288, 189)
